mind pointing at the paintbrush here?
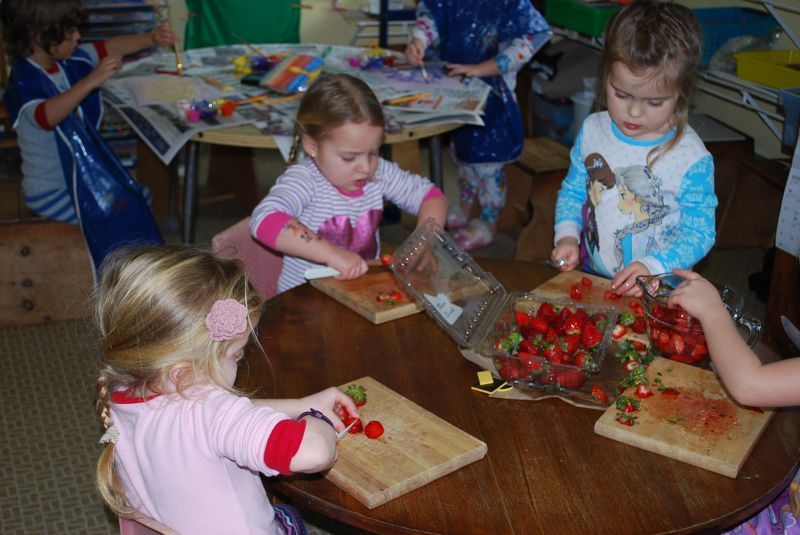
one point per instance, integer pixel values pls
(178, 61)
(424, 72)
(408, 98)
(248, 45)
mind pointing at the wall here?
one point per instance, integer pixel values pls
(738, 117)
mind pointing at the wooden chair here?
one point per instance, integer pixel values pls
(142, 525)
(262, 265)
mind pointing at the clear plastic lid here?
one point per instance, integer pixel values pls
(463, 298)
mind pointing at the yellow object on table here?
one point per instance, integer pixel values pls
(778, 68)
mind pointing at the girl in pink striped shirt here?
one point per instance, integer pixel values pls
(326, 209)
(180, 439)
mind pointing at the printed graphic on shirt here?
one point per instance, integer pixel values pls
(622, 205)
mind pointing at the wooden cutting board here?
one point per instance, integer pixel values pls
(701, 426)
(359, 295)
(417, 447)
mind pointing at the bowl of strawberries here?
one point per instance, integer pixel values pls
(551, 344)
(675, 333)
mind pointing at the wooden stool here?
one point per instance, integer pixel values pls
(546, 162)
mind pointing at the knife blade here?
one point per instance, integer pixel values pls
(344, 431)
(320, 272)
(791, 331)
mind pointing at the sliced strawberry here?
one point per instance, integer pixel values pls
(619, 331)
(373, 429)
(386, 259)
(632, 364)
(611, 296)
(599, 394)
(576, 293)
(643, 391)
(678, 345)
(586, 281)
(347, 419)
(700, 351)
(638, 325)
(626, 419)
(635, 304)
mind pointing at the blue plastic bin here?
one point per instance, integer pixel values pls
(790, 98)
(719, 24)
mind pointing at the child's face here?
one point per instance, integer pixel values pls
(233, 354)
(640, 105)
(65, 48)
(347, 155)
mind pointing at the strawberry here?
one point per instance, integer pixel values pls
(554, 354)
(619, 331)
(626, 419)
(373, 429)
(573, 324)
(539, 324)
(576, 293)
(522, 319)
(700, 351)
(551, 334)
(582, 359)
(611, 296)
(570, 379)
(586, 281)
(547, 312)
(643, 391)
(591, 335)
(347, 419)
(626, 319)
(599, 394)
(526, 346)
(638, 346)
(386, 259)
(638, 325)
(509, 370)
(358, 393)
(635, 304)
(569, 343)
(581, 313)
(631, 365)
(678, 344)
(533, 368)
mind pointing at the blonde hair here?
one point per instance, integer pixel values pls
(663, 37)
(334, 100)
(151, 306)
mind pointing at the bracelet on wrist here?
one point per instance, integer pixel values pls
(316, 414)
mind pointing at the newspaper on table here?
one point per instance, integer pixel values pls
(154, 104)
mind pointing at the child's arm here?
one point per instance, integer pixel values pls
(569, 209)
(748, 380)
(60, 106)
(423, 35)
(128, 44)
(434, 206)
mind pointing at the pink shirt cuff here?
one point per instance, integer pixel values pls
(270, 226)
(283, 443)
(433, 193)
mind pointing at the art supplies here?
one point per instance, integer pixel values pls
(294, 74)
(407, 98)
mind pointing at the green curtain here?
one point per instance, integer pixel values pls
(221, 22)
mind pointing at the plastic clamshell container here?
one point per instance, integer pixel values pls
(580, 16)
(779, 69)
(474, 308)
(719, 24)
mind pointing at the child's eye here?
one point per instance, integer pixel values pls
(619, 94)
(373, 154)
(656, 103)
(348, 158)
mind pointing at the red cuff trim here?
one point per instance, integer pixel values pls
(283, 443)
(40, 116)
(269, 228)
(433, 193)
(100, 47)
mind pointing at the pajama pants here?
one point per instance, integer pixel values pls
(485, 182)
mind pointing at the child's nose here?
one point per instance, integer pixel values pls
(635, 108)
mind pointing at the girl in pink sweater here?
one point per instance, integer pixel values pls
(180, 439)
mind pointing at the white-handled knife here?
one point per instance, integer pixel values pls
(791, 331)
(344, 431)
(320, 272)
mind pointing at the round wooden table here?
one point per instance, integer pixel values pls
(545, 471)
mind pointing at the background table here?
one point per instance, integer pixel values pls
(545, 471)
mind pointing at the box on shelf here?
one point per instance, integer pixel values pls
(719, 24)
(583, 17)
(779, 69)
(790, 98)
(480, 315)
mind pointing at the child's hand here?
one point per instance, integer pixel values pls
(457, 69)
(624, 283)
(163, 35)
(330, 402)
(108, 67)
(567, 250)
(415, 52)
(696, 295)
(348, 264)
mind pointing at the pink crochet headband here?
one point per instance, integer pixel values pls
(228, 317)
